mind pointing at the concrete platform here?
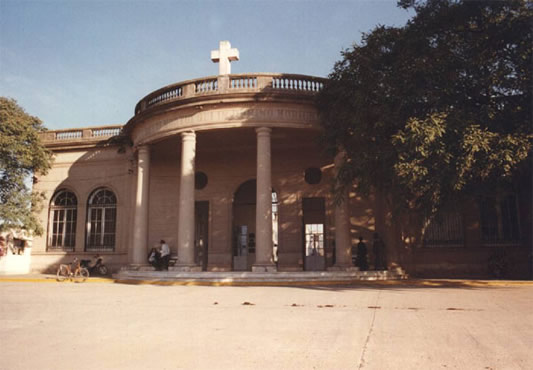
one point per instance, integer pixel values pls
(255, 278)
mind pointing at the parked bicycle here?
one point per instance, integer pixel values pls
(75, 272)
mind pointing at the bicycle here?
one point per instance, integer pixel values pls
(79, 275)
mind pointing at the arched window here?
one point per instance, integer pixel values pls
(101, 221)
(62, 221)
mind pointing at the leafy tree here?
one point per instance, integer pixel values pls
(21, 156)
(438, 109)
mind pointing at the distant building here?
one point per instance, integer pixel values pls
(229, 171)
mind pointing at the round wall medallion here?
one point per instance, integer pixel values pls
(313, 175)
(200, 180)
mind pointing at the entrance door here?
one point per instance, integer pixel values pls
(201, 212)
(314, 237)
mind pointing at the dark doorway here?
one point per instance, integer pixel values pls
(244, 226)
(201, 212)
(314, 213)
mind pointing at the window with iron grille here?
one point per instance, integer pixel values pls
(500, 220)
(63, 215)
(445, 229)
(101, 221)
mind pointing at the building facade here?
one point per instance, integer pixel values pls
(229, 171)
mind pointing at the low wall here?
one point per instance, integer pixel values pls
(11, 264)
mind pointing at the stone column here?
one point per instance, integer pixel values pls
(140, 221)
(263, 210)
(343, 244)
(186, 205)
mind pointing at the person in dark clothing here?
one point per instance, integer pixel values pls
(164, 255)
(153, 258)
(362, 261)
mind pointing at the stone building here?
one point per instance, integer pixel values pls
(229, 171)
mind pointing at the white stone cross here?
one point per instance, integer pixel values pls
(224, 56)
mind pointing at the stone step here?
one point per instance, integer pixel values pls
(248, 276)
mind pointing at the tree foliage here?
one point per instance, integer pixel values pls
(21, 156)
(437, 109)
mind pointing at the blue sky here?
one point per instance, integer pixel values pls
(87, 63)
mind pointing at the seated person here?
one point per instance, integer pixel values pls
(165, 255)
(154, 258)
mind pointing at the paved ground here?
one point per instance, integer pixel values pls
(365, 326)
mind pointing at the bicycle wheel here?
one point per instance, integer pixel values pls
(102, 270)
(81, 275)
(62, 273)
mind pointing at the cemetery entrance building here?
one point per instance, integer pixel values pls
(230, 172)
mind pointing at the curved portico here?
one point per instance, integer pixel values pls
(264, 103)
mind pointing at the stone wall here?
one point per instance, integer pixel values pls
(81, 172)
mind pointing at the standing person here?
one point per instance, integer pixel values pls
(379, 253)
(362, 261)
(164, 252)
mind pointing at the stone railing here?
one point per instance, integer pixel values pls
(90, 133)
(229, 84)
(205, 86)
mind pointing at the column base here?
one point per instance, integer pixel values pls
(348, 268)
(185, 268)
(267, 267)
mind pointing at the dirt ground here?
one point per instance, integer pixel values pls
(366, 326)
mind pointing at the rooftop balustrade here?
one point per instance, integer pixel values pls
(249, 83)
(234, 83)
(99, 133)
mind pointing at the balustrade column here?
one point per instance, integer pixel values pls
(343, 244)
(263, 212)
(140, 222)
(186, 205)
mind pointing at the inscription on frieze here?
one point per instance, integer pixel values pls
(253, 115)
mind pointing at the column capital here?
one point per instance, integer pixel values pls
(263, 131)
(188, 135)
(143, 148)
